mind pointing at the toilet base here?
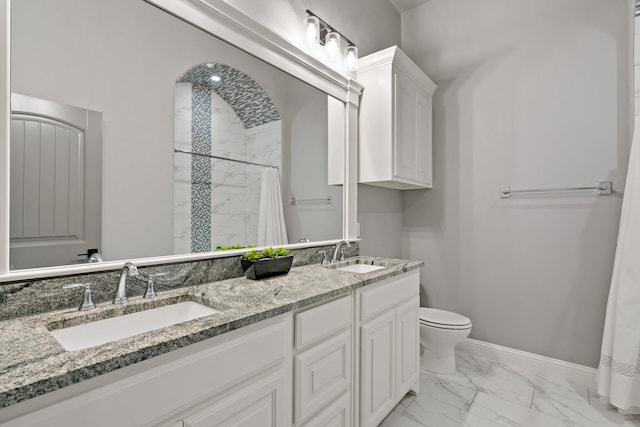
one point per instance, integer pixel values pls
(439, 360)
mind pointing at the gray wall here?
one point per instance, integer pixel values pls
(373, 25)
(530, 94)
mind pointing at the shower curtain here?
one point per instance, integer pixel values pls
(271, 226)
(619, 369)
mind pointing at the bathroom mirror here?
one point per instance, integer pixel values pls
(124, 60)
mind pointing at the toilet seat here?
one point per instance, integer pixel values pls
(443, 319)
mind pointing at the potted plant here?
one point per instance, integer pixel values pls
(266, 263)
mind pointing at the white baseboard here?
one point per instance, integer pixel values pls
(531, 362)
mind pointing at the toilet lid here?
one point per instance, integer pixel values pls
(437, 317)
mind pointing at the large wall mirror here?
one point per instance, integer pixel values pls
(158, 84)
(138, 135)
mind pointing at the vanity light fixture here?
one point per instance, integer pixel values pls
(332, 45)
(312, 30)
(351, 58)
(318, 33)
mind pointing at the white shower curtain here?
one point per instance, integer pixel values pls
(271, 226)
(619, 369)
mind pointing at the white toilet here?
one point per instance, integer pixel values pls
(440, 331)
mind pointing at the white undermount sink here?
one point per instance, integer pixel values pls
(360, 268)
(104, 331)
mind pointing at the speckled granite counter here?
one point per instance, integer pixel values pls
(33, 363)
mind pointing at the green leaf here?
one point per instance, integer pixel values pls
(266, 253)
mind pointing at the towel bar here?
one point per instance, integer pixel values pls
(603, 188)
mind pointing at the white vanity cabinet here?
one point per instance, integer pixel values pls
(242, 378)
(346, 362)
(395, 144)
(389, 344)
(323, 364)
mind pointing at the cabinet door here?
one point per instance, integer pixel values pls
(377, 375)
(424, 138)
(323, 373)
(337, 414)
(405, 127)
(407, 346)
(255, 405)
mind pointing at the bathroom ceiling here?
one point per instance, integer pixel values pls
(404, 5)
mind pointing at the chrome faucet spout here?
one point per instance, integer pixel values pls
(336, 250)
(128, 270)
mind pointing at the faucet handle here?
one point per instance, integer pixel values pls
(150, 292)
(323, 260)
(157, 274)
(342, 254)
(87, 302)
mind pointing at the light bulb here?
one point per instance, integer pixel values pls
(351, 58)
(312, 30)
(332, 45)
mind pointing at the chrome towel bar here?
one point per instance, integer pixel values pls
(602, 189)
(325, 200)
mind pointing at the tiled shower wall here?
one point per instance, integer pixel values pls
(235, 188)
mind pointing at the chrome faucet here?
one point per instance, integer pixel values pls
(337, 250)
(128, 270)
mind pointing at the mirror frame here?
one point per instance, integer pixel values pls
(224, 21)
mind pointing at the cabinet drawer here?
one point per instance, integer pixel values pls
(388, 294)
(323, 373)
(322, 321)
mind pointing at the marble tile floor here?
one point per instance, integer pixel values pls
(486, 393)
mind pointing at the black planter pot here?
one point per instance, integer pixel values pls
(266, 267)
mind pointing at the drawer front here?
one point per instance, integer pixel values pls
(337, 414)
(323, 373)
(322, 321)
(388, 294)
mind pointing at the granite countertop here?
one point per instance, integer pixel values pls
(33, 363)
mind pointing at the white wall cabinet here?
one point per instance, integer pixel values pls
(389, 351)
(395, 146)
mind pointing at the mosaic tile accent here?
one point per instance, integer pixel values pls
(201, 170)
(241, 92)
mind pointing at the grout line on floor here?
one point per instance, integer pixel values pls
(472, 400)
(533, 395)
